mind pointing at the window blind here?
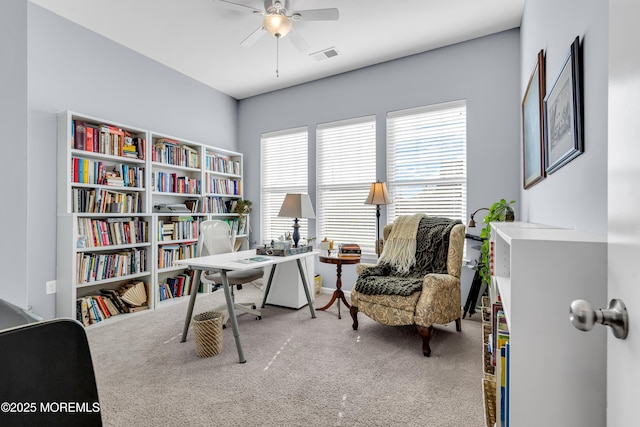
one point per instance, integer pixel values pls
(427, 161)
(284, 169)
(346, 167)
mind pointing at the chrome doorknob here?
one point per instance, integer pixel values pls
(583, 316)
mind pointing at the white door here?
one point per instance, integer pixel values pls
(623, 356)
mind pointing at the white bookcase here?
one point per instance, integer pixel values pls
(537, 272)
(162, 170)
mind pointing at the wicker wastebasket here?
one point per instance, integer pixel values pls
(207, 328)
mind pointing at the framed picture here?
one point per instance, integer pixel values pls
(533, 167)
(563, 113)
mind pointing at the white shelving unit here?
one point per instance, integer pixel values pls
(172, 176)
(223, 184)
(537, 272)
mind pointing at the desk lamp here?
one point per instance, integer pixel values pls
(296, 206)
(472, 222)
(378, 196)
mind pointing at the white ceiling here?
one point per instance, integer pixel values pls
(201, 38)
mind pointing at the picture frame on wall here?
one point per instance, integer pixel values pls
(533, 163)
(563, 113)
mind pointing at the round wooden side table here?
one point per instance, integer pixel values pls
(338, 294)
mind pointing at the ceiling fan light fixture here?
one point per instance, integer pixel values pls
(277, 25)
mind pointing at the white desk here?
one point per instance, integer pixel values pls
(224, 263)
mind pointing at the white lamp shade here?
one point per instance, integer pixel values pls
(277, 25)
(378, 194)
(297, 206)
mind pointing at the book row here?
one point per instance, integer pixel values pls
(499, 348)
(219, 205)
(169, 253)
(171, 152)
(166, 182)
(106, 139)
(178, 228)
(214, 163)
(91, 200)
(111, 231)
(176, 287)
(110, 302)
(222, 186)
(94, 267)
(85, 171)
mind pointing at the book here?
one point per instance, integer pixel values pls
(115, 297)
(82, 311)
(79, 135)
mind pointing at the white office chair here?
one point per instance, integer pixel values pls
(215, 238)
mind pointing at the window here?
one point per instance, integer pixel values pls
(427, 161)
(284, 170)
(346, 167)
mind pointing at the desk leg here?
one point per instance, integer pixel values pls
(232, 314)
(306, 288)
(192, 301)
(266, 292)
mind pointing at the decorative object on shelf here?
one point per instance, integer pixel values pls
(563, 113)
(499, 211)
(243, 207)
(378, 196)
(296, 206)
(134, 293)
(532, 128)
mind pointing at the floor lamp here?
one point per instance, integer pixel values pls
(378, 196)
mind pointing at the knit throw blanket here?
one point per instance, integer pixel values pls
(430, 250)
(400, 248)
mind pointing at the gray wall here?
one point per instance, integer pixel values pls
(71, 68)
(484, 71)
(576, 195)
(13, 173)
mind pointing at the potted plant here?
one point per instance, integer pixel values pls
(499, 211)
(242, 207)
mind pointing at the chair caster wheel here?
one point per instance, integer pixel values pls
(254, 307)
(258, 317)
(224, 326)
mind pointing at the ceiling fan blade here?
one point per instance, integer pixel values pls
(316, 15)
(238, 6)
(253, 37)
(298, 41)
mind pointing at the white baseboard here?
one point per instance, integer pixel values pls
(330, 291)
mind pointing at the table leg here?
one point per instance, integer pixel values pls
(232, 314)
(192, 301)
(266, 292)
(306, 288)
(338, 294)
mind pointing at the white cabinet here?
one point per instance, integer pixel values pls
(286, 288)
(537, 272)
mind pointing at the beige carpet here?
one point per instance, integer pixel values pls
(299, 371)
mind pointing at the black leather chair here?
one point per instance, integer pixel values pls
(47, 376)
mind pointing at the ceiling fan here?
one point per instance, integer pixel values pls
(279, 18)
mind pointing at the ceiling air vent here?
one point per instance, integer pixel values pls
(325, 54)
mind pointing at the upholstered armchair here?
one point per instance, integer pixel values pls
(431, 299)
